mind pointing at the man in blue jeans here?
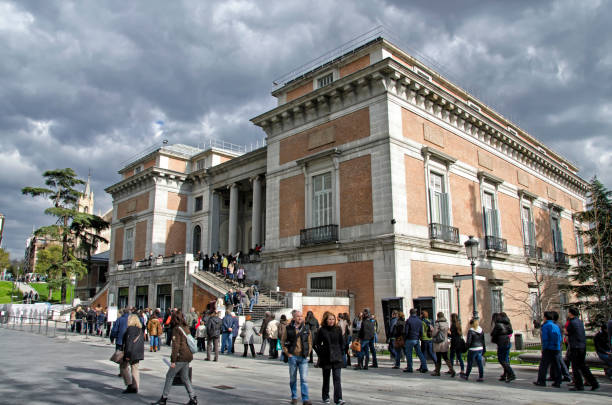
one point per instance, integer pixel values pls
(226, 332)
(551, 347)
(296, 341)
(412, 332)
(366, 336)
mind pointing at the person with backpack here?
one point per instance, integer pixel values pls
(133, 352)
(457, 343)
(179, 359)
(213, 330)
(441, 344)
(155, 329)
(476, 348)
(500, 335)
(366, 335)
(412, 333)
(397, 340)
(426, 343)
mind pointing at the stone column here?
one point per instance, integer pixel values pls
(233, 219)
(256, 215)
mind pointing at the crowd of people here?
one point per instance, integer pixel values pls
(335, 340)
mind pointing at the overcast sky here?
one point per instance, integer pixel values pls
(87, 84)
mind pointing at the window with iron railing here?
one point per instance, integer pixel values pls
(325, 80)
(439, 208)
(322, 200)
(322, 283)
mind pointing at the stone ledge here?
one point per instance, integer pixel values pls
(494, 254)
(447, 246)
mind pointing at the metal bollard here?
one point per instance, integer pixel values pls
(66, 331)
(47, 328)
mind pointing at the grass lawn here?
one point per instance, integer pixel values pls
(41, 288)
(5, 292)
(43, 292)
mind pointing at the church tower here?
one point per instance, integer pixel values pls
(86, 201)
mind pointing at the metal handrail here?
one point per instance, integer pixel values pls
(533, 251)
(319, 234)
(443, 232)
(496, 243)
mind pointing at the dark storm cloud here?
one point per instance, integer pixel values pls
(83, 83)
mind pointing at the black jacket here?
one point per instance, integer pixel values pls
(213, 327)
(367, 329)
(602, 342)
(575, 334)
(398, 328)
(476, 339)
(414, 328)
(329, 345)
(133, 344)
(501, 332)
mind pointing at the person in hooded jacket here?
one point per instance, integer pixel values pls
(476, 348)
(133, 352)
(500, 335)
(329, 345)
(441, 344)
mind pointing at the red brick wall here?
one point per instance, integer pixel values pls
(355, 65)
(348, 128)
(200, 299)
(102, 300)
(416, 192)
(319, 310)
(177, 202)
(299, 91)
(291, 206)
(175, 237)
(140, 240)
(133, 206)
(118, 245)
(356, 191)
(357, 277)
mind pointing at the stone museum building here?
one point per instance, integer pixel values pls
(375, 172)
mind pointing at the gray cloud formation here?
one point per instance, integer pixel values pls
(83, 83)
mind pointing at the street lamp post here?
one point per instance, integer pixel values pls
(457, 281)
(471, 249)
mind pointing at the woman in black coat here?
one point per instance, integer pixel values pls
(133, 352)
(329, 345)
(500, 335)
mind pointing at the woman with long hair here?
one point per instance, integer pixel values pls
(329, 345)
(457, 345)
(500, 335)
(441, 344)
(476, 348)
(133, 352)
(180, 358)
(313, 325)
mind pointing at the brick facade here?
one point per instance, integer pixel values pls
(291, 204)
(177, 202)
(175, 237)
(133, 205)
(356, 191)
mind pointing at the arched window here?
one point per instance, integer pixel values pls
(197, 239)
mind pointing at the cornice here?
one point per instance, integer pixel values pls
(147, 175)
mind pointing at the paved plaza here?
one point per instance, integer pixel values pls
(43, 370)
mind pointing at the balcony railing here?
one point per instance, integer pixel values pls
(322, 292)
(444, 232)
(497, 244)
(320, 234)
(533, 252)
(561, 258)
(125, 263)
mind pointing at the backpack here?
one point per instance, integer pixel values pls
(191, 342)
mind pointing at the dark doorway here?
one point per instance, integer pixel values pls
(425, 304)
(388, 306)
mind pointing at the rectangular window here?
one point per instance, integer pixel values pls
(579, 242)
(322, 283)
(124, 294)
(325, 80)
(438, 200)
(443, 301)
(137, 169)
(164, 296)
(199, 203)
(556, 235)
(491, 216)
(142, 297)
(535, 305)
(528, 227)
(497, 304)
(200, 164)
(322, 200)
(128, 249)
(563, 305)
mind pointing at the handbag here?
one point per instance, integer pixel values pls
(191, 342)
(356, 346)
(399, 342)
(278, 345)
(117, 357)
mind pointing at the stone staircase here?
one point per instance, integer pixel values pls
(217, 285)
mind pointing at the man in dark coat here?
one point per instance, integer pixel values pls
(577, 344)
(413, 332)
(366, 335)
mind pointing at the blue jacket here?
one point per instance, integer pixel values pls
(227, 323)
(235, 326)
(414, 328)
(119, 329)
(551, 336)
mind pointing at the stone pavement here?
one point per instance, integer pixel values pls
(42, 370)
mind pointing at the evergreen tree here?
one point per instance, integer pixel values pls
(72, 228)
(593, 274)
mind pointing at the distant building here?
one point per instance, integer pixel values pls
(376, 171)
